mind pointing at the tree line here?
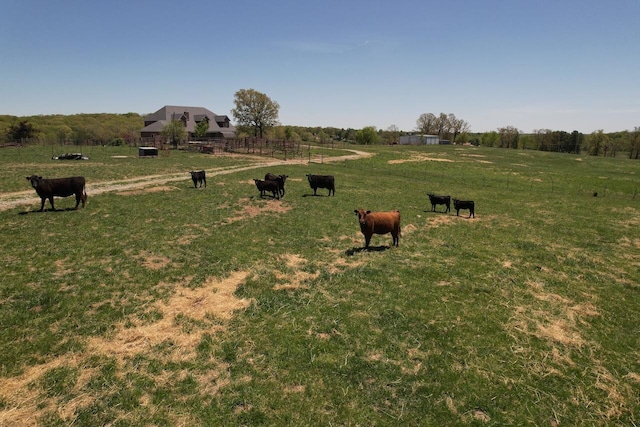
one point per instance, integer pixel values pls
(257, 115)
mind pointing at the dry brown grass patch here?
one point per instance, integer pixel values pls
(419, 157)
(147, 190)
(214, 300)
(249, 210)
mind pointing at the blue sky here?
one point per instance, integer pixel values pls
(559, 65)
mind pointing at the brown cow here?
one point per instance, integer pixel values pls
(379, 223)
(60, 187)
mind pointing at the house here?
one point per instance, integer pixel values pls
(219, 126)
(419, 139)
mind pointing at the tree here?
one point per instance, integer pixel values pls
(597, 141)
(427, 124)
(255, 109)
(21, 130)
(634, 143)
(490, 139)
(175, 132)
(508, 137)
(457, 126)
(201, 128)
(367, 136)
(443, 126)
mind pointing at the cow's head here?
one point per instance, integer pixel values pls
(362, 215)
(35, 180)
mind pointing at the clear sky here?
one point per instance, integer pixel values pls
(540, 64)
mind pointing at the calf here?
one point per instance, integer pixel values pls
(439, 200)
(271, 186)
(322, 181)
(379, 223)
(199, 177)
(464, 204)
(59, 187)
(280, 179)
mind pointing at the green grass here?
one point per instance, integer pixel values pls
(526, 315)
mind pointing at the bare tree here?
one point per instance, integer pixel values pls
(426, 124)
(457, 126)
(443, 125)
(508, 137)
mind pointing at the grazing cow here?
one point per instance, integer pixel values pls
(439, 200)
(281, 179)
(59, 187)
(379, 223)
(199, 177)
(271, 186)
(464, 204)
(322, 181)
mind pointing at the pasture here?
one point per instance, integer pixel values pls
(164, 304)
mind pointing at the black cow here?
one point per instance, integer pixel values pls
(280, 179)
(59, 187)
(322, 181)
(271, 186)
(199, 177)
(439, 200)
(464, 204)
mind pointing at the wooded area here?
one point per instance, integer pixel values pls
(124, 129)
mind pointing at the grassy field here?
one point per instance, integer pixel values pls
(169, 305)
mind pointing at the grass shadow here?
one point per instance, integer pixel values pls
(353, 251)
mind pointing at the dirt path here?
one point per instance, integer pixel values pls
(28, 197)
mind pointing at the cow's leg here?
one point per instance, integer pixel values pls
(367, 240)
(78, 197)
(51, 201)
(42, 199)
(205, 182)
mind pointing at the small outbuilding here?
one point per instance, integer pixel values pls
(419, 140)
(147, 152)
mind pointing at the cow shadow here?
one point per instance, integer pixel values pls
(46, 210)
(315, 195)
(353, 251)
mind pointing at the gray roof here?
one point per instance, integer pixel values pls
(171, 112)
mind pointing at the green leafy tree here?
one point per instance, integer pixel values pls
(255, 109)
(598, 140)
(175, 132)
(367, 136)
(201, 128)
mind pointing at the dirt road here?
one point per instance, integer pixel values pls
(28, 197)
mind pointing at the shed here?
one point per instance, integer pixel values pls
(147, 152)
(419, 139)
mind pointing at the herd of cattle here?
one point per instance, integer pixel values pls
(370, 222)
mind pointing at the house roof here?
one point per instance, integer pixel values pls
(195, 114)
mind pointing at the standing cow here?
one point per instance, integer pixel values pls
(379, 223)
(322, 181)
(199, 177)
(59, 187)
(280, 179)
(271, 186)
(464, 204)
(439, 200)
